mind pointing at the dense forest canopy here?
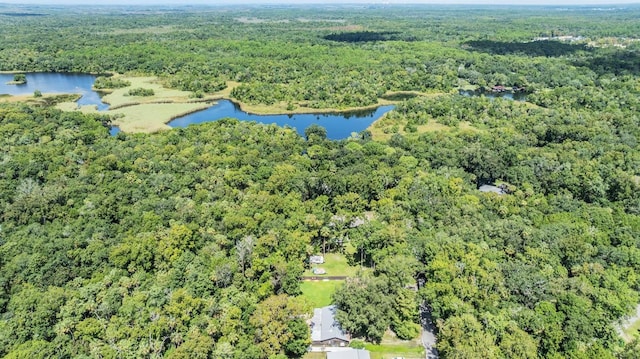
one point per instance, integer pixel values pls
(191, 243)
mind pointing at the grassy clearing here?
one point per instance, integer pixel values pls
(378, 128)
(631, 331)
(392, 351)
(318, 293)
(152, 117)
(119, 98)
(391, 347)
(336, 265)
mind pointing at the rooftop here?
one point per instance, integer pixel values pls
(349, 354)
(324, 326)
(489, 188)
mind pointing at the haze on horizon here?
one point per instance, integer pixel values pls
(294, 2)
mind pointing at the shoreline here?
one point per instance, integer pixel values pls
(257, 110)
(188, 112)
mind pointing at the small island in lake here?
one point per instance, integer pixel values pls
(18, 79)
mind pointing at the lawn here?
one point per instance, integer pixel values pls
(408, 350)
(318, 293)
(336, 265)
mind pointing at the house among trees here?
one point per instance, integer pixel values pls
(325, 330)
(316, 259)
(502, 189)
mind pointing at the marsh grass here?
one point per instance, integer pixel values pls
(152, 117)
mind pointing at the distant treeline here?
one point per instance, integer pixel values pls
(548, 48)
(367, 36)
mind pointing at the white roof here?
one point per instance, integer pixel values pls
(490, 188)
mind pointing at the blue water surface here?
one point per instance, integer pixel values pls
(52, 82)
(338, 125)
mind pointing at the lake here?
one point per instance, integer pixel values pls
(50, 82)
(339, 125)
(509, 95)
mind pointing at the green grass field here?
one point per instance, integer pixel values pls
(391, 347)
(407, 350)
(336, 265)
(318, 293)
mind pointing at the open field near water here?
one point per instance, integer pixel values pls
(152, 117)
(118, 98)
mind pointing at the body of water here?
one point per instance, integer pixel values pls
(516, 96)
(51, 82)
(338, 125)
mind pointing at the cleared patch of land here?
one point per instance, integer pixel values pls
(388, 351)
(390, 347)
(630, 328)
(631, 331)
(152, 117)
(384, 129)
(318, 292)
(120, 98)
(335, 264)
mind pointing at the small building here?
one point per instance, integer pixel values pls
(487, 188)
(319, 271)
(349, 354)
(316, 259)
(325, 330)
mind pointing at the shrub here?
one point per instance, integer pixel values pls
(103, 82)
(140, 92)
(20, 78)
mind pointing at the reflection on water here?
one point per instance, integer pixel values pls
(338, 125)
(52, 82)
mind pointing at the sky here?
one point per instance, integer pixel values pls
(232, 2)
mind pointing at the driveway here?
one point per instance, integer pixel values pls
(428, 332)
